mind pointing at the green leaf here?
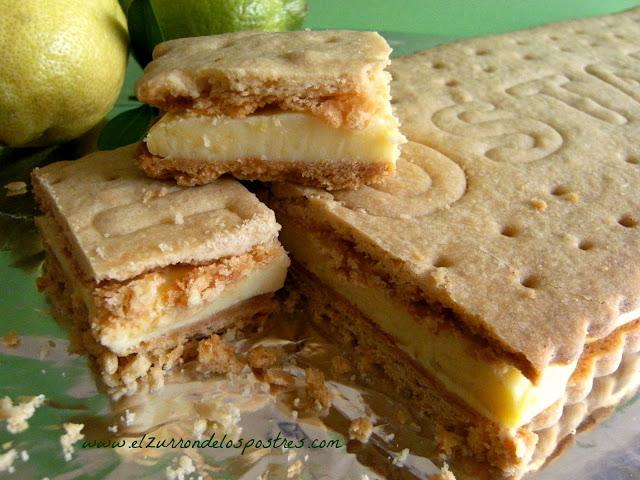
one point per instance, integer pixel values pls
(144, 30)
(125, 5)
(127, 127)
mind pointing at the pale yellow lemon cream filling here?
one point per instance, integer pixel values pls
(263, 279)
(279, 135)
(495, 389)
(155, 321)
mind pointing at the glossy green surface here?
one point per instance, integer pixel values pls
(459, 18)
(24, 310)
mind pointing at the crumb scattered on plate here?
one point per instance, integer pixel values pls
(184, 467)
(15, 188)
(17, 415)
(72, 435)
(360, 429)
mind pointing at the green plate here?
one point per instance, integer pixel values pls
(36, 367)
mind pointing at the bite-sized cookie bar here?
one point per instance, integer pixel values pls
(306, 107)
(149, 270)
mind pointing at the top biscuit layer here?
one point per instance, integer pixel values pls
(335, 74)
(120, 223)
(524, 215)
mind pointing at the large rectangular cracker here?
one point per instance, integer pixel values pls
(543, 245)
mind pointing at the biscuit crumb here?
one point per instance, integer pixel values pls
(112, 428)
(277, 376)
(447, 441)
(11, 339)
(184, 467)
(15, 188)
(317, 389)
(178, 219)
(6, 461)
(341, 366)
(155, 193)
(24, 455)
(444, 474)
(17, 415)
(399, 459)
(72, 435)
(360, 429)
(264, 357)
(222, 415)
(538, 204)
(156, 379)
(295, 469)
(108, 362)
(135, 369)
(217, 356)
(199, 427)
(128, 418)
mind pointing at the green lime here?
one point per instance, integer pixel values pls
(152, 21)
(192, 18)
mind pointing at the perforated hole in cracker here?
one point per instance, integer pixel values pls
(560, 191)
(628, 221)
(443, 261)
(510, 231)
(586, 245)
(531, 281)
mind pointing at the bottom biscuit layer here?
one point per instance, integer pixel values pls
(482, 449)
(332, 176)
(139, 372)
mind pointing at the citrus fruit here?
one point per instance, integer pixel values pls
(192, 18)
(61, 70)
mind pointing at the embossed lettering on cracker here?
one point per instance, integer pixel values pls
(148, 271)
(307, 107)
(496, 277)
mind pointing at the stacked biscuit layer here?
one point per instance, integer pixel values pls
(148, 270)
(307, 107)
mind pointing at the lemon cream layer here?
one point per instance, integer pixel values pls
(152, 320)
(282, 136)
(494, 388)
(263, 279)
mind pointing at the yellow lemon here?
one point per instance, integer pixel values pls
(61, 69)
